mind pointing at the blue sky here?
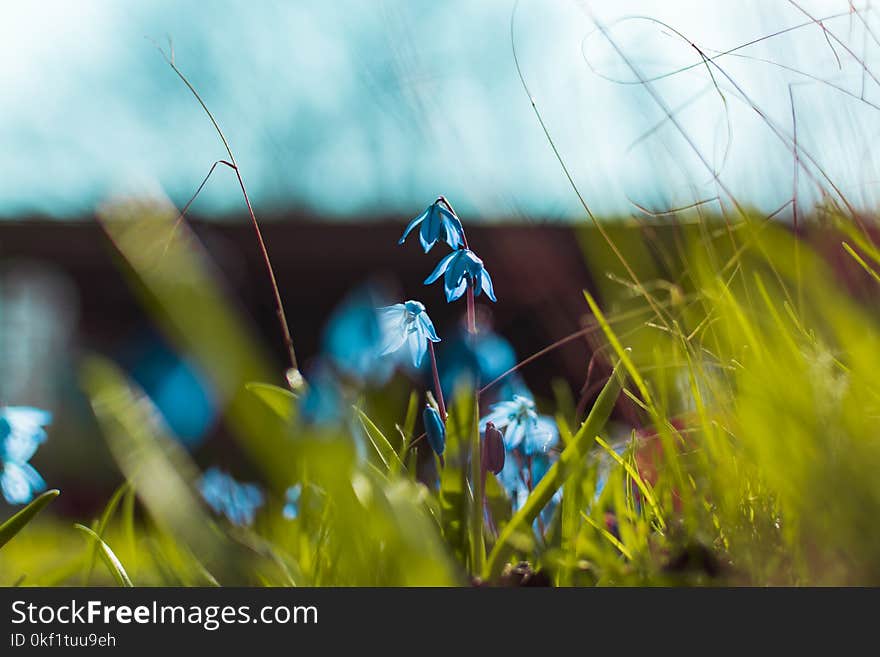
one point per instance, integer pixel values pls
(351, 108)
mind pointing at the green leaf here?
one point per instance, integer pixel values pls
(101, 526)
(109, 558)
(279, 400)
(556, 475)
(18, 522)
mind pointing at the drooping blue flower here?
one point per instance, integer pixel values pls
(352, 339)
(437, 223)
(21, 433)
(291, 502)
(482, 357)
(524, 429)
(407, 323)
(237, 501)
(459, 269)
(434, 429)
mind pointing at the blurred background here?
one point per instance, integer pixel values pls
(346, 120)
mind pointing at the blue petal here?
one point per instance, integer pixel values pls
(453, 228)
(417, 347)
(510, 476)
(453, 293)
(412, 224)
(392, 321)
(440, 268)
(22, 432)
(460, 267)
(514, 435)
(27, 415)
(19, 482)
(486, 284)
(499, 414)
(427, 327)
(425, 234)
(541, 434)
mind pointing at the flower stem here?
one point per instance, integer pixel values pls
(477, 471)
(438, 391)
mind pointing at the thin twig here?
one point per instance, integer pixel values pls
(232, 164)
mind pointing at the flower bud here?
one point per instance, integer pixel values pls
(493, 449)
(434, 429)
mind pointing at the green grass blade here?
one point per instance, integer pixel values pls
(622, 353)
(101, 526)
(381, 444)
(643, 486)
(859, 259)
(557, 474)
(20, 520)
(114, 565)
(608, 535)
(409, 425)
(128, 527)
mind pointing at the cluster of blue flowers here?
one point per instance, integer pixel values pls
(524, 430)
(22, 431)
(527, 439)
(364, 342)
(460, 269)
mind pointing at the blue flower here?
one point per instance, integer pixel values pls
(434, 429)
(291, 502)
(238, 502)
(438, 223)
(486, 354)
(21, 433)
(516, 476)
(524, 429)
(352, 340)
(407, 323)
(462, 267)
